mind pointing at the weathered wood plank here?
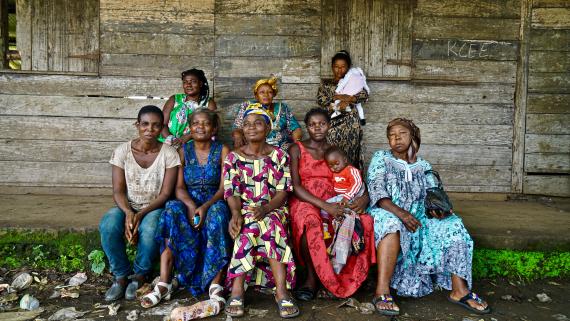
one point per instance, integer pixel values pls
(102, 107)
(466, 71)
(56, 150)
(24, 32)
(550, 3)
(549, 61)
(467, 8)
(67, 128)
(547, 163)
(292, 7)
(471, 155)
(466, 28)
(268, 25)
(548, 104)
(457, 49)
(241, 88)
(4, 34)
(56, 173)
(547, 185)
(548, 124)
(157, 21)
(540, 143)
(548, 39)
(390, 41)
(550, 82)
(406, 14)
(39, 35)
(56, 36)
(267, 46)
(202, 6)
(435, 134)
(62, 85)
(291, 70)
(153, 65)
(391, 91)
(157, 43)
(83, 35)
(475, 175)
(437, 113)
(377, 37)
(551, 18)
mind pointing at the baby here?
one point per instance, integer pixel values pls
(351, 84)
(347, 182)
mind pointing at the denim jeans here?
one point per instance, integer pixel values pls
(112, 230)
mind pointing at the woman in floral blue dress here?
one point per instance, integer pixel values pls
(193, 229)
(415, 254)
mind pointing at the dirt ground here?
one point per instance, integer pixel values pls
(522, 304)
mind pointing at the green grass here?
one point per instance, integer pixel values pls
(68, 252)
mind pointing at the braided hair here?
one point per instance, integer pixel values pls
(205, 89)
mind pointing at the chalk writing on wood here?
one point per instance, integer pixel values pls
(459, 49)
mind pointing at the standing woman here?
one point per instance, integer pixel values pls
(345, 131)
(178, 108)
(312, 186)
(144, 174)
(285, 128)
(193, 229)
(256, 182)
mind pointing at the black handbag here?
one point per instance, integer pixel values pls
(436, 198)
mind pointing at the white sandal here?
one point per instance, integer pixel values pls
(216, 293)
(155, 296)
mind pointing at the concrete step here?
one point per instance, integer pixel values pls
(533, 224)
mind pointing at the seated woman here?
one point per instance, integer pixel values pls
(144, 174)
(285, 129)
(178, 107)
(312, 186)
(193, 230)
(415, 254)
(256, 181)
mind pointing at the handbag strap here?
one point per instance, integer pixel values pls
(436, 174)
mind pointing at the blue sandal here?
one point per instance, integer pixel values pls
(470, 296)
(386, 298)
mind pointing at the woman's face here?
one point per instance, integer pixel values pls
(264, 94)
(339, 68)
(399, 138)
(149, 127)
(317, 126)
(201, 128)
(255, 128)
(191, 85)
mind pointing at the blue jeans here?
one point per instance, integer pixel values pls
(112, 230)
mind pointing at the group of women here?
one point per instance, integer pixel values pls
(224, 219)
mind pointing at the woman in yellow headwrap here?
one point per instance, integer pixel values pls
(285, 129)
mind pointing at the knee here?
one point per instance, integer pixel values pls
(217, 213)
(149, 223)
(112, 222)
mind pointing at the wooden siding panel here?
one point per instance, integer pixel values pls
(298, 70)
(466, 28)
(56, 150)
(157, 43)
(550, 4)
(547, 185)
(159, 21)
(457, 49)
(24, 32)
(202, 6)
(268, 25)
(556, 124)
(551, 18)
(292, 7)
(466, 71)
(548, 104)
(153, 65)
(468, 8)
(267, 46)
(540, 143)
(549, 61)
(548, 39)
(549, 82)
(547, 163)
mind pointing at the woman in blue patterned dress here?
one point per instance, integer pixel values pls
(193, 230)
(415, 254)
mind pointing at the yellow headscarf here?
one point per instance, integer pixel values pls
(272, 82)
(257, 109)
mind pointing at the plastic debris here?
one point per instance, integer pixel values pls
(67, 314)
(258, 312)
(29, 303)
(113, 308)
(4, 287)
(163, 309)
(69, 292)
(133, 315)
(78, 279)
(543, 297)
(22, 281)
(200, 310)
(351, 302)
(8, 298)
(560, 317)
(366, 308)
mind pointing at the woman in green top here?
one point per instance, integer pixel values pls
(178, 108)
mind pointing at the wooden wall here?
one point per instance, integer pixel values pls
(458, 84)
(547, 136)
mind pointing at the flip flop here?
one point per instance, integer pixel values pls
(235, 302)
(386, 298)
(283, 304)
(470, 296)
(305, 294)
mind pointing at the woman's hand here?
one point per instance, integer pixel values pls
(334, 209)
(236, 223)
(259, 212)
(201, 211)
(411, 223)
(359, 204)
(190, 211)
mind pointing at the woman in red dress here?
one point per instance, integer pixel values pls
(312, 186)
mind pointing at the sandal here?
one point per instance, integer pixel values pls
(156, 296)
(470, 296)
(386, 298)
(305, 294)
(216, 293)
(283, 305)
(235, 302)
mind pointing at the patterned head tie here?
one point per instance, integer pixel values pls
(271, 82)
(414, 133)
(257, 109)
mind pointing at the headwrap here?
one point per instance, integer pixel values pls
(271, 82)
(414, 133)
(258, 109)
